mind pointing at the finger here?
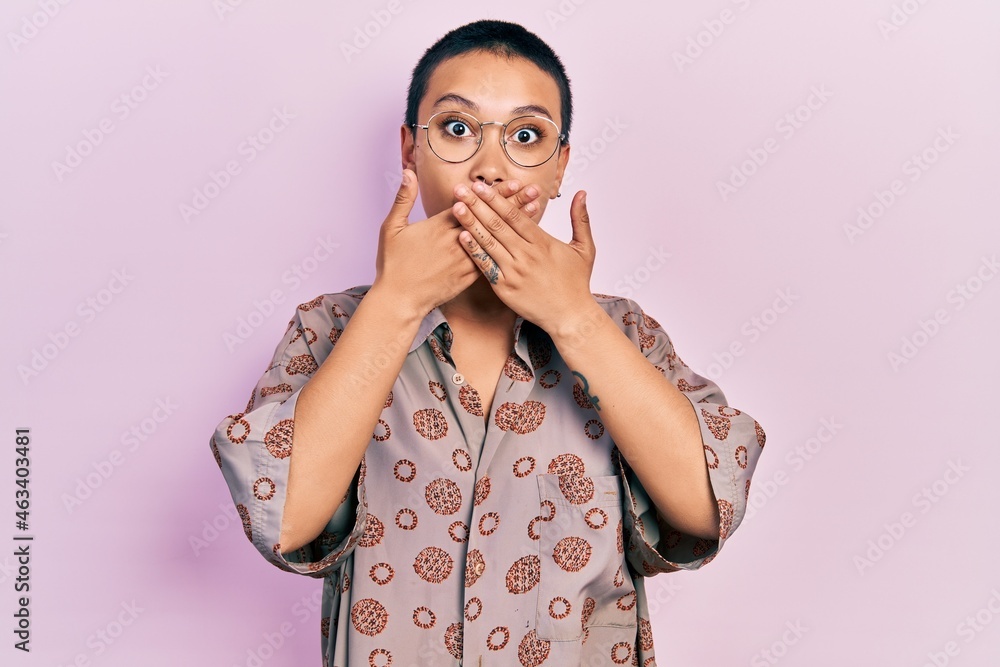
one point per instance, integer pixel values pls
(495, 216)
(399, 214)
(527, 203)
(501, 213)
(480, 257)
(583, 235)
(484, 239)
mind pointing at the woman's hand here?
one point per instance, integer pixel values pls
(538, 276)
(422, 263)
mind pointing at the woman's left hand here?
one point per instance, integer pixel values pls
(538, 276)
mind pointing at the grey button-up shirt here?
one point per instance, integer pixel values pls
(522, 542)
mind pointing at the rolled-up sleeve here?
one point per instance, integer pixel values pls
(253, 448)
(732, 441)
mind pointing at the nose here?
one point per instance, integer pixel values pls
(490, 163)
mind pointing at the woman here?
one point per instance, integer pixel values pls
(482, 458)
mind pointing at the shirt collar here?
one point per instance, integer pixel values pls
(435, 321)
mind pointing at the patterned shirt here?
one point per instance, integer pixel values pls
(524, 541)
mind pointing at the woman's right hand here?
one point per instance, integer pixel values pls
(423, 263)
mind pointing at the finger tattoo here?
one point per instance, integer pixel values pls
(492, 271)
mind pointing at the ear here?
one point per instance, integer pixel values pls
(406, 148)
(562, 162)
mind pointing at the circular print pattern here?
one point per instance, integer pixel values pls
(433, 564)
(481, 491)
(443, 496)
(278, 440)
(385, 431)
(498, 638)
(374, 531)
(459, 531)
(369, 617)
(475, 610)
(381, 573)
(559, 607)
(406, 524)
(572, 553)
(461, 459)
(263, 488)
(430, 423)
(424, 618)
(453, 640)
(411, 470)
(550, 378)
(241, 433)
(532, 651)
(523, 575)
(523, 466)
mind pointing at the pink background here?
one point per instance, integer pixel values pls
(330, 173)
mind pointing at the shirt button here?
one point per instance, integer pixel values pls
(480, 566)
(458, 378)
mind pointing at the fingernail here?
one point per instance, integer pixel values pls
(530, 207)
(532, 191)
(514, 186)
(462, 191)
(479, 187)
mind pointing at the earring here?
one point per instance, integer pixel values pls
(558, 194)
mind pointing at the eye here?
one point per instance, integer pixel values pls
(457, 128)
(526, 134)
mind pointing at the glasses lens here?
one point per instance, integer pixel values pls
(453, 136)
(531, 140)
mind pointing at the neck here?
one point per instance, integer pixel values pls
(479, 304)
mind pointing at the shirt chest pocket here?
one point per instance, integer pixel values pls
(583, 575)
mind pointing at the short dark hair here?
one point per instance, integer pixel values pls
(500, 38)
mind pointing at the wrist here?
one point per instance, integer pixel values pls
(396, 304)
(574, 330)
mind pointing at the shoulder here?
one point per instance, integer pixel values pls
(331, 306)
(626, 312)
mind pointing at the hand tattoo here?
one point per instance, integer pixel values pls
(492, 270)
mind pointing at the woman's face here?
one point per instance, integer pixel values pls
(488, 87)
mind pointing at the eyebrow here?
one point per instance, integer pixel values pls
(455, 98)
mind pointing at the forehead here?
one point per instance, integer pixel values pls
(495, 84)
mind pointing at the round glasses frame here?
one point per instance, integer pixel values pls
(503, 132)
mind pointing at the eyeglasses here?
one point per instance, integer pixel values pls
(529, 141)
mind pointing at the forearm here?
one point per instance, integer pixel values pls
(337, 410)
(652, 423)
